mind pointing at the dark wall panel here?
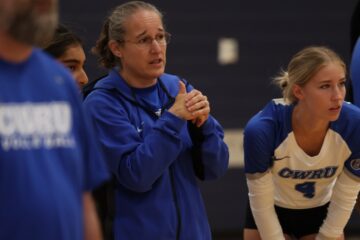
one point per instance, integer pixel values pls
(268, 32)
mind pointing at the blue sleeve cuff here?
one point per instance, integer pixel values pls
(171, 123)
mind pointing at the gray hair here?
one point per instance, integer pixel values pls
(114, 29)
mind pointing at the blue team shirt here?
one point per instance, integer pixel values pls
(301, 181)
(355, 72)
(48, 157)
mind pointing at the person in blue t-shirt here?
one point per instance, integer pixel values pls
(302, 154)
(355, 81)
(156, 131)
(68, 49)
(49, 162)
(355, 73)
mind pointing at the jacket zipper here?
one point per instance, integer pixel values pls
(173, 189)
(172, 176)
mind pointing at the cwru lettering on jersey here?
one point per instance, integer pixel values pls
(35, 125)
(326, 172)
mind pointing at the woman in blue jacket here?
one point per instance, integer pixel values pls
(155, 129)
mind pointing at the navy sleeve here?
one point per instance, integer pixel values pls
(355, 73)
(259, 138)
(214, 153)
(349, 128)
(94, 167)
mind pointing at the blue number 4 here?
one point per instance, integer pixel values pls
(307, 188)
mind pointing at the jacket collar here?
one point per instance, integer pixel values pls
(115, 82)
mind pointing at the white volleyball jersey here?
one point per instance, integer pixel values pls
(301, 181)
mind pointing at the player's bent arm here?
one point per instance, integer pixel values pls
(342, 203)
(91, 222)
(261, 195)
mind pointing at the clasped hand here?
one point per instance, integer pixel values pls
(192, 106)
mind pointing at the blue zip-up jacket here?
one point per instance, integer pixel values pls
(157, 195)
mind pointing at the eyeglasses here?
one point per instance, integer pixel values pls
(146, 41)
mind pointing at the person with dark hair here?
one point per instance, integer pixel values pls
(156, 131)
(49, 162)
(302, 154)
(67, 48)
